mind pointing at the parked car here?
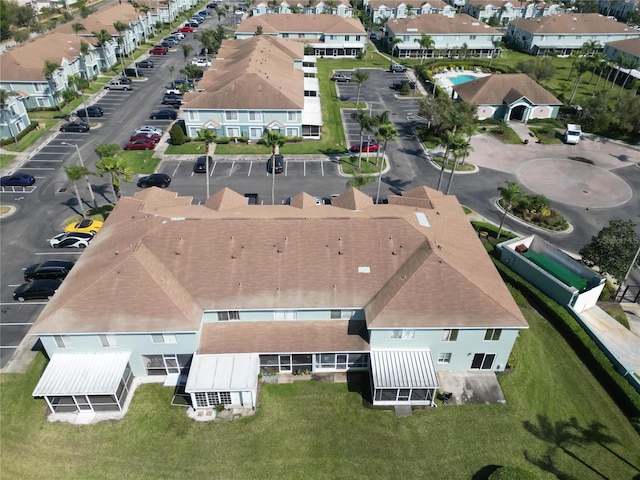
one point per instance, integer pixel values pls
(193, 24)
(145, 136)
(125, 80)
(239, 12)
(78, 127)
(201, 165)
(36, 290)
(86, 226)
(277, 165)
(140, 144)
(91, 111)
(71, 240)
(373, 36)
(171, 41)
(172, 100)
(178, 34)
(367, 146)
(396, 67)
(186, 29)
(163, 115)
(148, 129)
(183, 81)
(118, 85)
(133, 72)
(161, 180)
(400, 85)
(159, 50)
(340, 77)
(201, 62)
(145, 63)
(17, 179)
(49, 269)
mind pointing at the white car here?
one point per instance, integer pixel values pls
(178, 35)
(239, 12)
(71, 240)
(201, 62)
(148, 129)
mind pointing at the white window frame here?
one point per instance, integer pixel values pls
(231, 132)
(62, 341)
(255, 132)
(291, 132)
(449, 335)
(163, 338)
(193, 114)
(231, 115)
(444, 357)
(228, 315)
(108, 341)
(255, 116)
(402, 333)
(492, 334)
(285, 314)
(292, 116)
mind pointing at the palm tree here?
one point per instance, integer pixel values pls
(497, 45)
(114, 165)
(332, 4)
(469, 131)
(102, 37)
(220, 13)
(461, 151)
(172, 69)
(451, 141)
(394, 41)
(510, 194)
(75, 173)
(425, 42)
(186, 51)
(77, 28)
(582, 66)
(597, 59)
(208, 137)
(4, 97)
(120, 28)
(386, 132)
(274, 140)
(359, 77)
(360, 181)
(630, 64)
(84, 51)
(80, 84)
(366, 122)
(209, 41)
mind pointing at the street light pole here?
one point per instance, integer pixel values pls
(93, 198)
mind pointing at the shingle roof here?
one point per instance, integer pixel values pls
(104, 18)
(499, 88)
(320, 23)
(438, 24)
(256, 73)
(412, 3)
(157, 267)
(574, 23)
(630, 46)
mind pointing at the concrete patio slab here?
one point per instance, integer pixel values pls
(472, 388)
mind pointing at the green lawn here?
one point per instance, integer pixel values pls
(32, 137)
(349, 165)
(141, 161)
(316, 430)
(467, 167)
(5, 159)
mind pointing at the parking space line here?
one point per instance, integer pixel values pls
(37, 168)
(231, 169)
(322, 167)
(214, 167)
(58, 252)
(304, 168)
(21, 303)
(44, 160)
(250, 166)
(176, 169)
(8, 346)
(16, 324)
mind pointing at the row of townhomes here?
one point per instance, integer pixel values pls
(323, 35)
(257, 84)
(340, 7)
(381, 11)
(331, 289)
(503, 12)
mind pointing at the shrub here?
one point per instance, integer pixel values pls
(223, 140)
(608, 292)
(178, 137)
(9, 140)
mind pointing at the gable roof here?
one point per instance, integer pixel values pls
(499, 88)
(157, 268)
(104, 18)
(629, 45)
(438, 24)
(255, 73)
(308, 23)
(438, 4)
(575, 23)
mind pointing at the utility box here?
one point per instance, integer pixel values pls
(573, 134)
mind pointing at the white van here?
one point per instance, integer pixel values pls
(573, 134)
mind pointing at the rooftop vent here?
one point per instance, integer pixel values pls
(422, 219)
(364, 269)
(178, 219)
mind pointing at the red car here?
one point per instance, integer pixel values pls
(186, 29)
(141, 144)
(367, 146)
(159, 50)
(144, 136)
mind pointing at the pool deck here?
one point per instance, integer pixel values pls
(444, 79)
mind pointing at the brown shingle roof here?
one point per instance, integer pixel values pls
(574, 23)
(158, 268)
(105, 18)
(412, 3)
(438, 24)
(500, 88)
(256, 73)
(630, 46)
(322, 23)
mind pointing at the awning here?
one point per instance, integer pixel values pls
(82, 374)
(312, 113)
(223, 373)
(403, 369)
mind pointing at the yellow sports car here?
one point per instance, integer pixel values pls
(85, 226)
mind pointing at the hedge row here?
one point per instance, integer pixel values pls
(9, 140)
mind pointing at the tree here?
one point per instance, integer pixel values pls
(462, 150)
(451, 142)
(208, 137)
(259, 30)
(22, 35)
(69, 95)
(116, 167)
(386, 132)
(209, 40)
(78, 28)
(186, 51)
(394, 41)
(359, 77)
(631, 64)
(192, 71)
(75, 173)
(510, 195)
(360, 181)
(4, 97)
(220, 13)
(273, 140)
(177, 135)
(366, 122)
(538, 69)
(425, 42)
(102, 37)
(80, 84)
(613, 249)
(582, 67)
(121, 28)
(84, 51)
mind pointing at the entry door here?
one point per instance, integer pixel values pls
(83, 403)
(483, 361)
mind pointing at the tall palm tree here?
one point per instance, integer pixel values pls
(462, 151)
(220, 13)
(112, 163)
(80, 84)
(186, 51)
(630, 64)
(425, 42)
(273, 140)
(4, 97)
(209, 41)
(469, 131)
(85, 49)
(360, 181)
(451, 141)
(510, 194)
(386, 132)
(359, 77)
(582, 67)
(121, 28)
(78, 27)
(497, 45)
(75, 173)
(48, 71)
(366, 122)
(394, 41)
(208, 137)
(596, 60)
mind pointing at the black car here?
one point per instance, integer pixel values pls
(50, 269)
(161, 180)
(133, 72)
(38, 289)
(172, 99)
(193, 24)
(92, 111)
(80, 127)
(126, 80)
(163, 115)
(212, 5)
(201, 165)
(18, 179)
(277, 166)
(400, 85)
(145, 64)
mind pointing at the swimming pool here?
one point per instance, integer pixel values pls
(457, 80)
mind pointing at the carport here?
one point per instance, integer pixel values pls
(86, 382)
